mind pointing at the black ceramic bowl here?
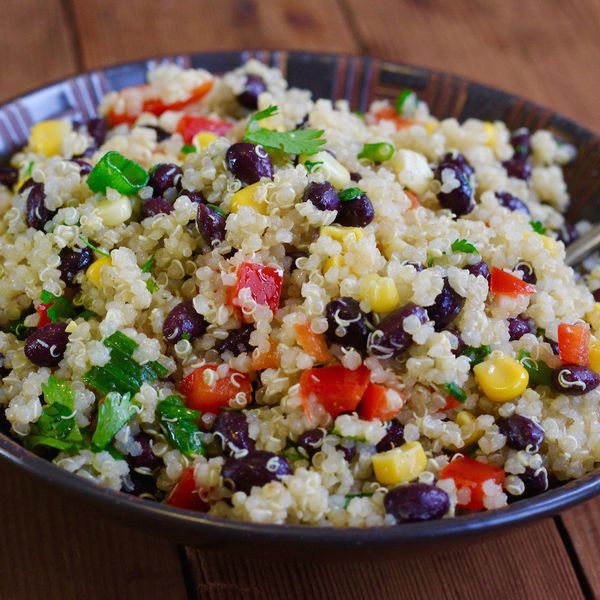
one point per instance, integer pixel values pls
(359, 80)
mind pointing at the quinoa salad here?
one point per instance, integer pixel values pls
(231, 297)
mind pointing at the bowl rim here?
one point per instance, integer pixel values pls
(194, 526)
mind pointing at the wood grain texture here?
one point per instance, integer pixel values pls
(36, 45)
(119, 31)
(543, 50)
(530, 563)
(54, 549)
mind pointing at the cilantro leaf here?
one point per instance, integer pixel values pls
(456, 392)
(310, 165)
(263, 114)
(350, 194)
(463, 246)
(178, 424)
(61, 307)
(188, 149)
(18, 327)
(151, 285)
(57, 391)
(475, 355)
(113, 413)
(538, 227)
(348, 497)
(147, 266)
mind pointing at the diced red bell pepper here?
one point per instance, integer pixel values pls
(375, 404)
(206, 393)
(264, 283)
(158, 107)
(190, 125)
(335, 388)
(312, 343)
(185, 494)
(388, 113)
(451, 403)
(508, 284)
(574, 343)
(472, 474)
(42, 311)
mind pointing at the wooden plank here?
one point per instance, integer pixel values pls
(141, 28)
(530, 563)
(59, 549)
(542, 50)
(36, 45)
(583, 526)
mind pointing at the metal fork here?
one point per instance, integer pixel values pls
(583, 247)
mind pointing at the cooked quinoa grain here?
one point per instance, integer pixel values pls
(231, 297)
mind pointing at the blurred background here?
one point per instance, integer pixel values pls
(543, 49)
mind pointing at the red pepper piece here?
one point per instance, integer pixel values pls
(185, 494)
(508, 284)
(264, 282)
(574, 343)
(375, 404)
(42, 311)
(190, 125)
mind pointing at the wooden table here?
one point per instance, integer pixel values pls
(543, 49)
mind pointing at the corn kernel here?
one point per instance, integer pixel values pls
(71, 327)
(46, 137)
(94, 270)
(344, 235)
(469, 426)
(548, 242)
(335, 172)
(333, 262)
(204, 139)
(380, 292)
(595, 357)
(593, 317)
(246, 197)
(501, 378)
(114, 212)
(490, 132)
(431, 126)
(399, 465)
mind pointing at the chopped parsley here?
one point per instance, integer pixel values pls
(349, 497)
(61, 307)
(178, 424)
(188, 149)
(217, 209)
(92, 247)
(310, 165)
(464, 246)
(148, 265)
(299, 141)
(475, 355)
(151, 285)
(18, 327)
(293, 454)
(538, 227)
(430, 261)
(114, 412)
(350, 194)
(456, 392)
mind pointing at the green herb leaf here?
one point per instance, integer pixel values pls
(350, 194)
(57, 391)
(539, 372)
(92, 247)
(117, 172)
(178, 424)
(61, 307)
(147, 266)
(217, 209)
(264, 114)
(151, 285)
(18, 327)
(456, 392)
(29, 169)
(430, 261)
(538, 227)
(293, 454)
(349, 497)
(114, 412)
(311, 165)
(406, 103)
(188, 149)
(475, 355)
(463, 246)
(377, 153)
(361, 115)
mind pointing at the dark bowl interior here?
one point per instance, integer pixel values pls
(358, 80)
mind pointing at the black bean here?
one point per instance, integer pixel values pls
(140, 484)
(255, 469)
(348, 451)
(521, 433)
(322, 195)
(417, 266)
(348, 325)
(390, 339)
(526, 269)
(249, 162)
(479, 269)
(358, 212)
(37, 215)
(311, 441)
(8, 176)
(165, 176)
(183, 322)
(97, 128)
(519, 326)
(156, 206)
(596, 294)
(231, 431)
(355, 177)
(210, 224)
(536, 481)
(237, 341)
(567, 234)
(416, 502)
(393, 437)
(197, 197)
(512, 202)
(253, 88)
(84, 167)
(574, 380)
(45, 346)
(455, 171)
(146, 459)
(446, 307)
(161, 134)
(518, 167)
(553, 344)
(521, 142)
(73, 262)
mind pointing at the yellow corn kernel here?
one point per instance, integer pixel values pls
(399, 465)
(595, 357)
(501, 378)
(431, 126)
(204, 139)
(380, 292)
(593, 317)
(71, 327)
(46, 137)
(469, 426)
(549, 243)
(246, 197)
(334, 171)
(490, 132)
(333, 261)
(114, 212)
(344, 235)
(93, 271)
